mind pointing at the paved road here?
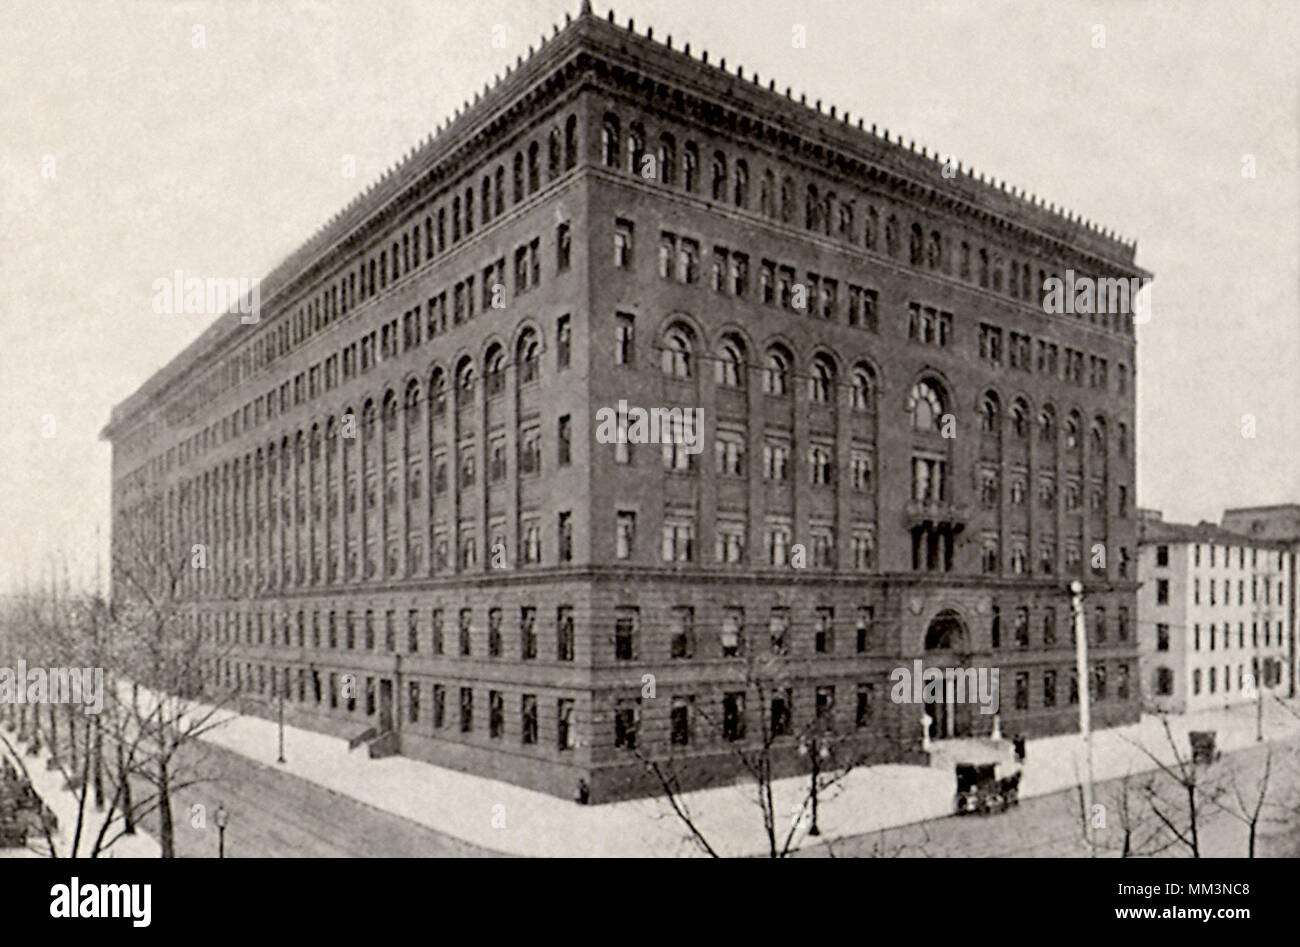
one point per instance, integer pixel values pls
(1048, 826)
(274, 814)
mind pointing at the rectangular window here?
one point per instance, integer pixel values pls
(439, 706)
(564, 633)
(733, 716)
(682, 644)
(528, 632)
(563, 244)
(622, 243)
(824, 635)
(566, 732)
(626, 722)
(528, 719)
(680, 721)
(562, 343)
(466, 709)
(435, 636)
(496, 714)
(862, 713)
(625, 629)
(465, 629)
(625, 536)
(624, 340)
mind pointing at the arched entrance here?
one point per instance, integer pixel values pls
(945, 642)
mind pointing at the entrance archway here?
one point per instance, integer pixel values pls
(945, 640)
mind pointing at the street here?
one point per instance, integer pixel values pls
(1048, 826)
(273, 814)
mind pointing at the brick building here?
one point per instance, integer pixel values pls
(397, 473)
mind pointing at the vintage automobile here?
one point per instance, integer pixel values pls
(986, 787)
(1204, 750)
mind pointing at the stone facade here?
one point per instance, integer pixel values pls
(894, 431)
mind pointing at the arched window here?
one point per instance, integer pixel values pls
(1121, 440)
(945, 632)
(1099, 436)
(776, 379)
(676, 356)
(864, 388)
(411, 403)
(1047, 425)
(731, 363)
(528, 355)
(553, 155)
(571, 143)
(812, 211)
(821, 385)
(934, 251)
(988, 413)
(465, 380)
(915, 246)
(390, 412)
(667, 159)
(494, 371)
(719, 176)
(891, 236)
(534, 168)
(926, 406)
(870, 228)
(438, 392)
(767, 195)
(519, 177)
(635, 147)
(741, 189)
(691, 167)
(1072, 431)
(485, 199)
(845, 226)
(500, 187)
(1020, 418)
(609, 140)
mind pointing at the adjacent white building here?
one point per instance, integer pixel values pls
(1215, 614)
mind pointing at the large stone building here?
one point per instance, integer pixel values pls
(1215, 616)
(398, 476)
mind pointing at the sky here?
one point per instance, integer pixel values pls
(138, 138)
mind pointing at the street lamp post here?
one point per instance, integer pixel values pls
(1084, 679)
(280, 758)
(1259, 695)
(223, 819)
(816, 754)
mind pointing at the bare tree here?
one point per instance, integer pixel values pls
(1247, 806)
(1179, 799)
(761, 754)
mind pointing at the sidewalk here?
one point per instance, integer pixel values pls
(519, 821)
(48, 784)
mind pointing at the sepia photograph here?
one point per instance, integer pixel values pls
(757, 429)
